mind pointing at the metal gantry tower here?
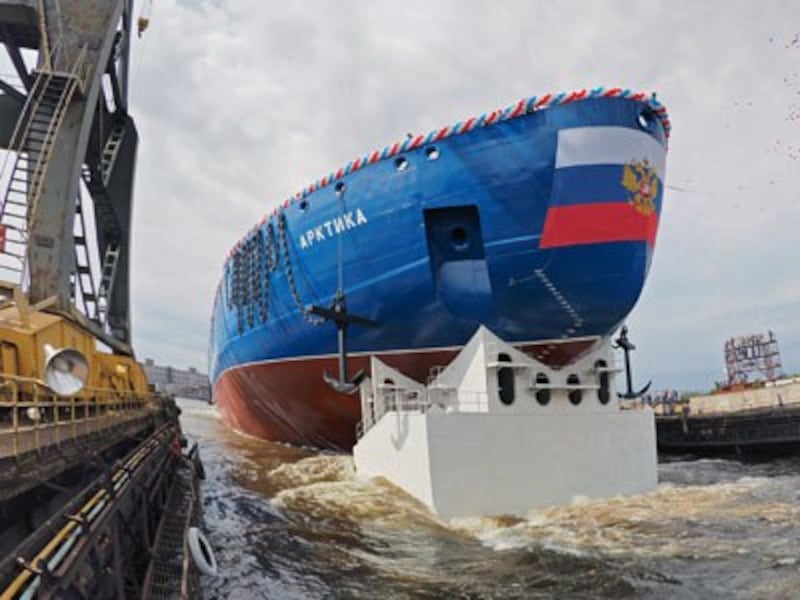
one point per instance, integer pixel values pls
(67, 128)
(752, 358)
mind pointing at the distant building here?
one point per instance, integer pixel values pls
(186, 384)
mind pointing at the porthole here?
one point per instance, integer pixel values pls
(432, 153)
(542, 394)
(303, 205)
(604, 393)
(646, 119)
(575, 396)
(401, 163)
(459, 237)
(339, 187)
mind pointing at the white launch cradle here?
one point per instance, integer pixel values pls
(497, 432)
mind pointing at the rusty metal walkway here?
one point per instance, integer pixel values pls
(39, 437)
(92, 548)
(42, 435)
(171, 573)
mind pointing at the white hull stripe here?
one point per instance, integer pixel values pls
(606, 145)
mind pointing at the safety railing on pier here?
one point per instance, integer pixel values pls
(33, 418)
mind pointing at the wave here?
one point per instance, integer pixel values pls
(672, 521)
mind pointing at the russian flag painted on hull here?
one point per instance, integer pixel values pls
(537, 221)
(607, 187)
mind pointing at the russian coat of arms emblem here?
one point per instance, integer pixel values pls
(640, 179)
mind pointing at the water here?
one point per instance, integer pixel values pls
(292, 523)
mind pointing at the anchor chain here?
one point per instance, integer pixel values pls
(313, 320)
(237, 293)
(267, 265)
(251, 288)
(249, 278)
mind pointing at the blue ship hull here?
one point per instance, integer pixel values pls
(540, 227)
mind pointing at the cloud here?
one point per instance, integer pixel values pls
(240, 104)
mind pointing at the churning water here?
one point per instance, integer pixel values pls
(292, 523)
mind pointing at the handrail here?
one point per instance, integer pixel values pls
(28, 110)
(24, 122)
(53, 553)
(399, 399)
(16, 138)
(36, 174)
(185, 563)
(35, 408)
(55, 124)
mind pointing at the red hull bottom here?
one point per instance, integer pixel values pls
(288, 401)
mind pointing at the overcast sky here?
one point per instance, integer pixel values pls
(243, 102)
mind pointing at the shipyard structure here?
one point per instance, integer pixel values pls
(757, 410)
(99, 494)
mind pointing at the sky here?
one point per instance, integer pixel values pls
(243, 102)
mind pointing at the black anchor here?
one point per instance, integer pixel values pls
(337, 312)
(342, 319)
(626, 345)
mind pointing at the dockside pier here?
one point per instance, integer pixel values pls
(767, 430)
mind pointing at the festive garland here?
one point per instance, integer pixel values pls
(524, 106)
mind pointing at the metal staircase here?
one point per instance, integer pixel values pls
(26, 164)
(108, 274)
(93, 299)
(110, 150)
(96, 181)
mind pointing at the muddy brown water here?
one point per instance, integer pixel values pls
(293, 523)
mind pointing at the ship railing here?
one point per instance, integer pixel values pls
(33, 418)
(396, 399)
(434, 373)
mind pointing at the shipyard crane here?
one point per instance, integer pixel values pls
(68, 139)
(70, 410)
